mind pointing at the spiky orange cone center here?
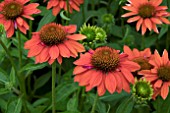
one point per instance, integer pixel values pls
(52, 34)
(164, 73)
(12, 10)
(105, 59)
(146, 10)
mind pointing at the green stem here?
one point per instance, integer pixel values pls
(30, 29)
(143, 42)
(82, 97)
(68, 12)
(83, 13)
(53, 86)
(168, 39)
(93, 8)
(19, 49)
(21, 81)
(59, 74)
(95, 103)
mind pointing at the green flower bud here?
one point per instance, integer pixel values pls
(108, 19)
(142, 91)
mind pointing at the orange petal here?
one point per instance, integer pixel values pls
(50, 61)
(129, 14)
(165, 57)
(70, 28)
(74, 6)
(59, 59)
(136, 52)
(96, 79)
(44, 55)
(101, 88)
(63, 50)
(79, 47)
(128, 75)
(148, 23)
(56, 10)
(119, 81)
(164, 90)
(20, 21)
(54, 52)
(125, 83)
(130, 8)
(139, 23)
(76, 37)
(35, 50)
(166, 21)
(146, 53)
(158, 84)
(133, 19)
(71, 48)
(156, 2)
(128, 51)
(110, 83)
(143, 29)
(84, 59)
(131, 66)
(79, 69)
(155, 28)
(10, 31)
(28, 44)
(85, 77)
(161, 8)
(158, 59)
(156, 20)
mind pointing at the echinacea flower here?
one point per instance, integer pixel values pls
(104, 68)
(12, 13)
(54, 41)
(159, 76)
(57, 5)
(142, 91)
(140, 57)
(147, 13)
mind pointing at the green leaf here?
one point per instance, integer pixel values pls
(4, 91)
(64, 90)
(3, 104)
(158, 104)
(12, 76)
(3, 76)
(40, 101)
(42, 80)
(63, 16)
(101, 107)
(14, 106)
(48, 17)
(72, 104)
(126, 106)
(166, 106)
(32, 67)
(164, 29)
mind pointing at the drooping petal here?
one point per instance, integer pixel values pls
(54, 52)
(63, 50)
(110, 83)
(148, 23)
(128, 75)
(133, 19)
(164, 90)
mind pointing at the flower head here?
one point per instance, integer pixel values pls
(54, 41)
(12, 13)
(57, 5)
(140, 57)
(142, 91)
(159, 76)
(147, 13)
(105, 68)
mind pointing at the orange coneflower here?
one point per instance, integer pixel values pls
(147, 13)
(62, 4)
(105, 68)
(140, 57)
(54, 41)
(159, 76)
(12, 13)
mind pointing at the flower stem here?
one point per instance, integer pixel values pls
(168, 39)
(19, 49)
(143, 42)
(83, 13)
(68, 12)
(53, 86)
(30, 29)
(93, 8)
(21, 81)
(95, 103)
(59, 74)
